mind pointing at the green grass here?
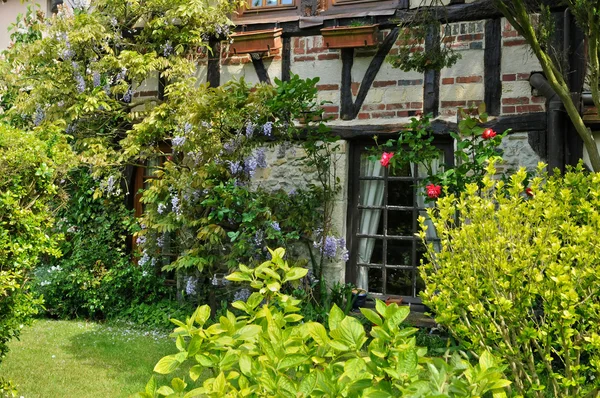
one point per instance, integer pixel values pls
(81, 359)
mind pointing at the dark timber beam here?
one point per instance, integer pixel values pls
(286, 55)
(260, 69)
(213, 72)
(491, 60)
(431, 85)
(349, 109)
(518, 123)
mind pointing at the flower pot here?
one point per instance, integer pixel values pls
(350, 36)
(257, 41)
(359, 298)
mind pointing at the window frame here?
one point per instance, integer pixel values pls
(250, 8)
(357, 147)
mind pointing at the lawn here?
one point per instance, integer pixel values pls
(83, 359)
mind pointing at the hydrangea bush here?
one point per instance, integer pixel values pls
(269, 350)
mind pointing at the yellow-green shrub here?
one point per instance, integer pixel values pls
(519, 273)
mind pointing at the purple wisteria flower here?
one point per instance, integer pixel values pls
(187, 128)
(127, 96)
(275, 226)
(234, 167)
(329, 248)
(121, 75)
(38, 116)
(268, 129)
(250, 165)
(167, 48)
(67, 53)
(261, 158)
(96, 79)
(178, 141)
(176, 205)
(144, 259)
(161, 208)
(190, 285)
(249, 130)
(160, 241)
(230, 146)
(241, 295)
(141, 240)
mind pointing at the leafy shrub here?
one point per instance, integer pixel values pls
(518, 273)
(29, 167)
(270, 351)
(95, 276)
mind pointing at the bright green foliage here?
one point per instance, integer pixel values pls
(203, 202)
(518, 273)
(95, 277)
(268, 351)
(29, 167)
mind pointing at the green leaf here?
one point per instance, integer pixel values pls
(201, 315)
(196, 372)
(238, 277)
(165, 390)
(178, 384)
(335, 317)
(295, 274)
(290, 361)
(308, 384)
(318, 333)
(372, 316)
(248, 332)
(380, 307)
(246, 364)
(151, 386)
(167, 364)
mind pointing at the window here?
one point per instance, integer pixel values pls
(271, 3)
(383, 218)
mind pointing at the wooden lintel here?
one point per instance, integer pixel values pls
(518, 123)
(431, 86)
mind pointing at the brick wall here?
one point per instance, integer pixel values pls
(517, 65)
(462, 85)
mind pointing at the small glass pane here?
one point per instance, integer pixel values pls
(370, 251)
(399, 252)
(370, 168)
(371, 193)
(271, 2)
(287, 2)
(256, 3)
(375, 280)
(370, 222)
(400, 171)
(400, 193)
(421, 254)
(399, 282)
(400, 223)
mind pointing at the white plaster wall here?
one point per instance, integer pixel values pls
(518, 59)
(329, 71)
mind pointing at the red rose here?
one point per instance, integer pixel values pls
(433, 191)
(385, 158)
(488, 134)
(528, 191)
